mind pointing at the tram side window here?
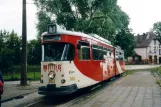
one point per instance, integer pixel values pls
(100, 53)
(119, 56)
(104, 53)
(84, 52)
(97, 52)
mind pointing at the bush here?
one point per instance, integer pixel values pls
(6, 60)
(33, 73)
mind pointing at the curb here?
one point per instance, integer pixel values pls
(17, 97)
(33, 103)
(158, 81)
(139, 69)
(27, 101)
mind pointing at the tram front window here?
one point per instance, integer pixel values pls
(58, 52)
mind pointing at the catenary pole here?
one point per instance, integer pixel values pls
(24, 46)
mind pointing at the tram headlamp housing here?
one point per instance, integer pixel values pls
(51, 74)
(41, 81)
(63, 81)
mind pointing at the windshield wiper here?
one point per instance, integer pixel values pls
(57, 56)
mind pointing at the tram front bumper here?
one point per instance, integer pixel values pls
(51, 89)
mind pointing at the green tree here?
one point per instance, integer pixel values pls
(34, 50)
(6, 60)
(43, 21)
(157, 30)
(102, 17)
(13, 41)
(3, 35)
(9, 48)
(125, 39)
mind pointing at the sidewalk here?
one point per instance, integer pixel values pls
(13, 90)
(140, 67)
(14, 94)
(136, 90)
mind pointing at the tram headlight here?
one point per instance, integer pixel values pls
(63, 81)
(51, 75)
(41, 81)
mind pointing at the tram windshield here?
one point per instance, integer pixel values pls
(58, 52)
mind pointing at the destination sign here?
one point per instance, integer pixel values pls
(52, 38)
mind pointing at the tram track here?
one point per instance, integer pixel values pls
(82, 95)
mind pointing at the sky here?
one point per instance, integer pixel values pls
(11, 17)
(142, 13)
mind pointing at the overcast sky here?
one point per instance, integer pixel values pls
(11, 17)
(142, 13)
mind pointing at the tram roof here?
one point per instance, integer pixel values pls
(74, 33)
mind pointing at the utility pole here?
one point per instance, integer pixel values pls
(24, 46)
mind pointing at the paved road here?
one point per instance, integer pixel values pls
(136, 90)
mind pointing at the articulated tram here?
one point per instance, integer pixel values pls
(74, 60)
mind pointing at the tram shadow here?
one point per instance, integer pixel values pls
(62, 99)
(57, 100)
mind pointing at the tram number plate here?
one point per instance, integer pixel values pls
(72, 78)
(51, 80)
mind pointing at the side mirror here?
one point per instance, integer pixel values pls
(78, 46)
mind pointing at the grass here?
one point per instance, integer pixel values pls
(156, 72)
(33, 73)
(30, 68)
(129, 72)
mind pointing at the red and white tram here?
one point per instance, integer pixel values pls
(73, 60)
